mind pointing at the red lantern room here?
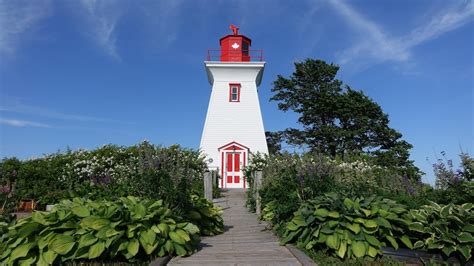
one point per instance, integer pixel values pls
(235, 47)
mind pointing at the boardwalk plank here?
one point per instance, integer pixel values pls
(244, 242)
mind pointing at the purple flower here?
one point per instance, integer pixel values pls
(5, 189)
(101, 180)
(408, 186)
(450, 163)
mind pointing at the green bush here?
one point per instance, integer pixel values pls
(6, 220)
(128, 229)
(143, 170)
(453, 185)
(290, 179)
(459, 192)
(206, 216)
(446, 228)
(348, 228)
(358, 228)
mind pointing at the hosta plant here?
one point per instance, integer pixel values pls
(268, 212)
(206, 216)
(128, 229)
(348, 228)
(446, 228)
(6, 220)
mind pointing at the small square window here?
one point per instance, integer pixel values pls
(234, 93)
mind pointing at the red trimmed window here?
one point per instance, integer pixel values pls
(234, 92)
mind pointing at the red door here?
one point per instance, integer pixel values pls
(233, 170)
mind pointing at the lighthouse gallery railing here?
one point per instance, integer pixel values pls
(216, 54)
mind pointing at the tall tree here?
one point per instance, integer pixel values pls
(336, 119)
(274, 140)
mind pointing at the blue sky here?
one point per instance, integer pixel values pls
(81, 74)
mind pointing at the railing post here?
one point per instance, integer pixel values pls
(258, 185)
(214, 177)
(208, 185)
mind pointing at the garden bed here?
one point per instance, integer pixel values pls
(112, 206)
(420, 257)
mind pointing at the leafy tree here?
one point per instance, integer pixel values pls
(467, 163)
(9, 169)
(274, 140)
(337, 120)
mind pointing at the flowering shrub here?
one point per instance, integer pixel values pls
(99, 167)
(292, 178)
(453, 185)
(145, 170)
(355, 175)
(446, 174)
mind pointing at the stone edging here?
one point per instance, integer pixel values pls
(300, 256)
(160, 261)
(304, 259)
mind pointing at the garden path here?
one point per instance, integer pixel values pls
(245, 241)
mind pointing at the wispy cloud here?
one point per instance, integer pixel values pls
(13, 105)
(17, 20)
(101, 18)
(452, 19)
(376, 45)
(22, 123)
(42, 112)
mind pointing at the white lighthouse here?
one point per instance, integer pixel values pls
(233, 130)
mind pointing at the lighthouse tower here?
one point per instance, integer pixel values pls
(233, 130)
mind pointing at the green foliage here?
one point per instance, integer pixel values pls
(321, 258)
(268, 212)
(457, 192)
(337, 120)
(348, 227)
(6, 220)
(446, 228)
(9, 170)
(467, 164)
(144, 170)
(128, 229)
(289, 179)
(216, 191)
(206, 216)
(353, 228)
(274, 140)
(453, 185)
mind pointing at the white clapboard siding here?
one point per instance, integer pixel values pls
(233, 121)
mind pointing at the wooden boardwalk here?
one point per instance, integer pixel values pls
(244, 242)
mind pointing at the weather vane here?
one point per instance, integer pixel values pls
(234, 29)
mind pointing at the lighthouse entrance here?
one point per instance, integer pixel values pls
(233, 169)
(234, 159)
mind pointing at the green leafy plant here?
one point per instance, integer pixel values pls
(268, 212)
(6, 220)
(348, 228)
(144, 170)
(446, 228)
(206, 216)
(338, 120)
(128, 229)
